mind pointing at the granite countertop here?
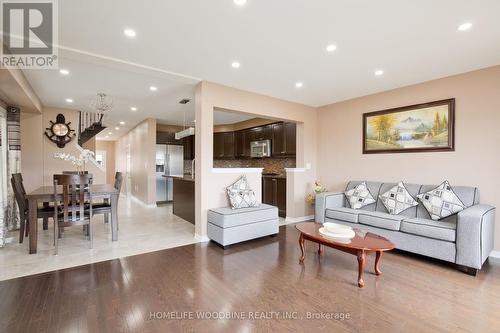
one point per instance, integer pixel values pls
(186, 177)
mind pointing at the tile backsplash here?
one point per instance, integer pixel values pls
(270, 165)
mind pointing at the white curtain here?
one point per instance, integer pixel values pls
(3, 176)
(13, 163)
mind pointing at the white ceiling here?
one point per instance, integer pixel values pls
(277, 42)
(227, 117)
(128, 86)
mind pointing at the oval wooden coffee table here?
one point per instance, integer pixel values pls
(362, 244)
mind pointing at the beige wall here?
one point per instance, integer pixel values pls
(475, 162)
(209, 96)
(38, 164)
(141, 143)
(90, 144)
(109, 148)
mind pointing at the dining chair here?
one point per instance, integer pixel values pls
(105, 207)
(22, 202)
(73, 208)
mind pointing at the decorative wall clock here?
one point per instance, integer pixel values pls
(59, 132)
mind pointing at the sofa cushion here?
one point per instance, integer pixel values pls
(240, 195)
(373, 187)
(359, 196)
(397, 199)
(226, 217)
(429, 228)
(441, 201)
(380, 220)
(343, 214)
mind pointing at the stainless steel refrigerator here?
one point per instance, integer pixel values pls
(169, 162)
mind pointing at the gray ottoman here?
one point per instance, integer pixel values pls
(229, 226)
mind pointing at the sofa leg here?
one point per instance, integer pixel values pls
(468, 270)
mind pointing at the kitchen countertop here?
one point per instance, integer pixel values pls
(186, 177)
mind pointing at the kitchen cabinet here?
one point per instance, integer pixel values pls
(224, 145)
(241, 144)
(274, 193)
(188, 144)
(260, 133)
(284, 139)
(167, 138)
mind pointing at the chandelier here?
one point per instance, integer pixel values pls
(102, 103)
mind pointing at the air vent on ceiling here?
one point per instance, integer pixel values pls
(184, 101)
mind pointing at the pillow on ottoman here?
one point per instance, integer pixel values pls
(441, 201)
(240, 195)
(359, 196)
(397, 199)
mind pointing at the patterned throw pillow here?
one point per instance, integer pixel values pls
(359, 196)
(240, 195)
(441, 201)
(397, 199)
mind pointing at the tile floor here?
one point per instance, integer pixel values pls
(141, 230)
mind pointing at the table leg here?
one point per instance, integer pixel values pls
(361, 268)
(32, 220)
(377, 263)
(320, 249)
(114, 217)
(301, 243)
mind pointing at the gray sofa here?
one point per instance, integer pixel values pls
(465, 239)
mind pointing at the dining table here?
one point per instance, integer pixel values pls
(46, 194)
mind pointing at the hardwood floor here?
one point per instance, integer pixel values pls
(413, 295)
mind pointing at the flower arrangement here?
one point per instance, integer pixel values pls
(318, 188)
(79, 161)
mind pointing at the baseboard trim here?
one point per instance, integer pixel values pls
(201, 239)
(495, 254)
(291, 220)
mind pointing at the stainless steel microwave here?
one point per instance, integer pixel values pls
(260, 148)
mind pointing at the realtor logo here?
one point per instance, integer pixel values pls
(29, 34)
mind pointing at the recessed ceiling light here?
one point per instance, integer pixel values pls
(331, 48)
(235, 64)
(299, 84)
(240, 2)
(110, 133)
(69, 100)
(464, 26)
(133, 108)
(130, 33)
(379, 72)
(153, 88)
(122, 123)
(117, 128)
(64, 71)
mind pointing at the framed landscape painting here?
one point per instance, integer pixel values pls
(416, 128)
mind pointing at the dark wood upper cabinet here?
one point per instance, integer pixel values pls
(228, 145)
(240, 144)
(223, 145)
(278, 142)
(188, 144)
(284, 139)
(166, 138)
(290, 138)
(260, 133)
